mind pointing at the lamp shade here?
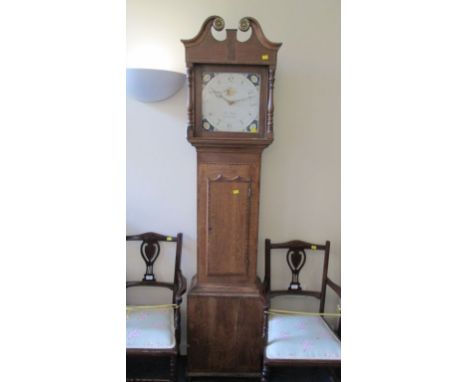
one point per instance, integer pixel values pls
(151, 85)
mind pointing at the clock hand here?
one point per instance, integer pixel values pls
(219, 94)
(241, 99)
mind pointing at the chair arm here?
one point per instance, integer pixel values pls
(334, 286)
(337, 290)
(181, 287)
(266, 308)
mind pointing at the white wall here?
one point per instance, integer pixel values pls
(300, 184)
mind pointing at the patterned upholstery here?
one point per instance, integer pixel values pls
(150, 328)
(301, 337)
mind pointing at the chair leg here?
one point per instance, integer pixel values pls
(173, 369)
(335, 374)
(265, 373)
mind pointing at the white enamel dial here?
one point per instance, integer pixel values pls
(231, 102)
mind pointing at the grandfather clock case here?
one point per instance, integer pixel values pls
(230, 112)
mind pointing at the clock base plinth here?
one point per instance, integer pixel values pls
(225, 330)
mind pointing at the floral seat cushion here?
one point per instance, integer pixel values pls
(301, 337)
(150, 328)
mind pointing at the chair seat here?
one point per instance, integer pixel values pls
(301, 337)
(150, 328)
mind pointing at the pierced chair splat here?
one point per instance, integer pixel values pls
(299, 338)
(154, 330)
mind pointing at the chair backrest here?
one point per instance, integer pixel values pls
(149, 251)
(295, 253)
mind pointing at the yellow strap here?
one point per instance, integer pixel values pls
(278, 311)
(163, 306)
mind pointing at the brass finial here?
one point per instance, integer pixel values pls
(244, 24)
(218, 24)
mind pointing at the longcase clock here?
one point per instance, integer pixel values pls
(230, 114)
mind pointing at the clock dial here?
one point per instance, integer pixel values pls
(230, 102)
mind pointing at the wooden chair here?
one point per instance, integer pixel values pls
(298, 338)
(155, 330)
